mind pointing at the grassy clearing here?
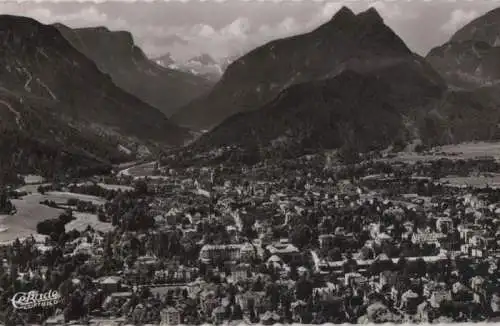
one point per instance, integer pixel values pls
(473, 150)
(61, 197)
(83, 220)
(473, 181)
(141, 170)
(29, 213)
(32, 188)
(462, 151)
(115, 187)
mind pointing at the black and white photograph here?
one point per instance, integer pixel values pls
(249, 162)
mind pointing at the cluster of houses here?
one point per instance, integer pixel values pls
(265, 246)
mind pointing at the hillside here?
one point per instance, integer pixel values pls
(357, 42)
(485, 28)
(470, 58)
(353, 112)
(380, 102)
(62, 108)
(116, 54)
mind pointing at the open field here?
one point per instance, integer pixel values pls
(86, 219)
(461, 151)
(29, 213)
(415, 157)
(473, 150)
(115, 187)
(32, 188)
(141, 170)
(62, 197)
(473, 181)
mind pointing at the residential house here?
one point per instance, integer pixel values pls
(354, 279)
(241, 272)
(218, 315)
(208, 302)
(110, 284)
(444, 224)
(422, 314)
(495, 303)
(467, 231)
(325, 293)
(270, 318)
(283, 249)
(421, 238)
(326, 240)
(247, 252)
(170, 316)
(409, 301)
(437, 293)
(388, 278)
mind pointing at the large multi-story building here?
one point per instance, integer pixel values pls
(210, 253)
(283, 249)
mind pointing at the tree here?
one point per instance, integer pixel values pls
(301, 236)
(141, 187)
(237, 313)
(304, 289)
(348, 154)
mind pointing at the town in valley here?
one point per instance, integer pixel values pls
(305, 241)
(317, 171)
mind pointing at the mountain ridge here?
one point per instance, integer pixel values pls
(470, 58)
(382, 96)
(116, 54)
(347, 41)
(54, 96)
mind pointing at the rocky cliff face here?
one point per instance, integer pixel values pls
(116, 54)
(470, 58)
(55, 98)
(485, 28)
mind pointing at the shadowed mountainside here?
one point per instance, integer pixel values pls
(116, 54)
(58, 103)
(347, 42)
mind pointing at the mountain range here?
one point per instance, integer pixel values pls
(60, 111)
(352, 84)
(359, 42)
(78, 100)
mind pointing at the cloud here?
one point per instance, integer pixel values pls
(240, 35)
(458, 19)
(86, 16)
(329, 9)
(239, 28)
(393, 11)
(203, 30)
(170, 40)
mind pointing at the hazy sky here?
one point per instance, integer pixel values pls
(222, 28)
